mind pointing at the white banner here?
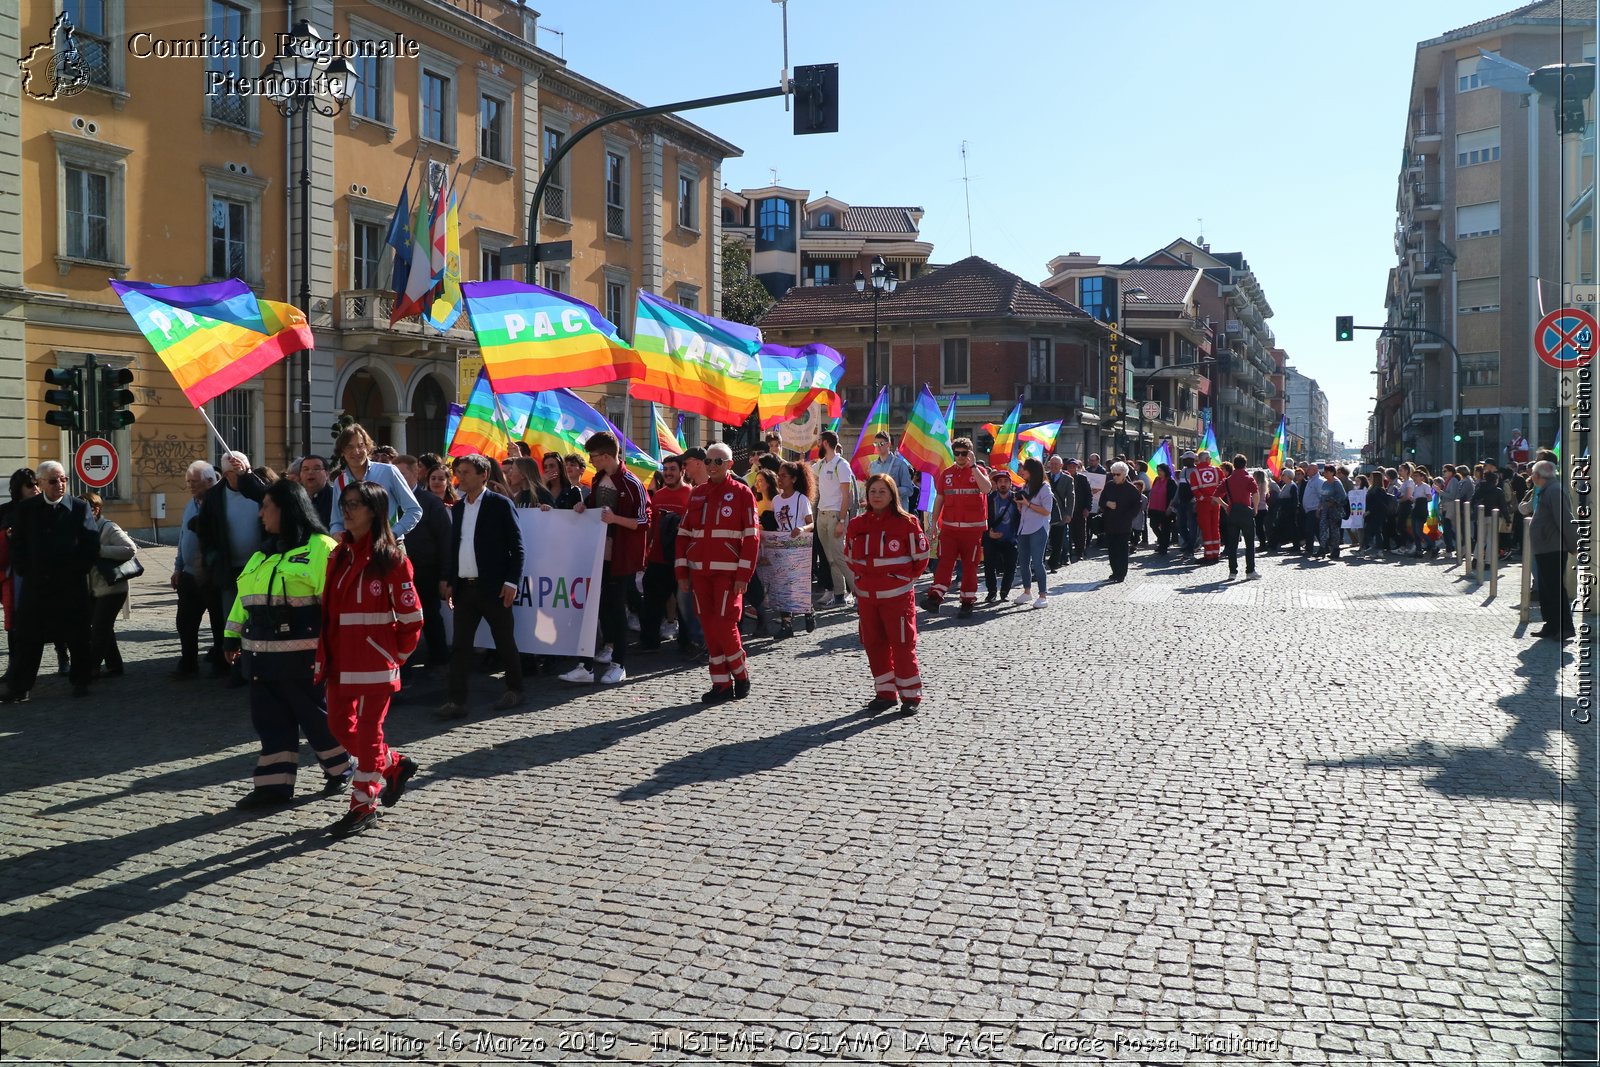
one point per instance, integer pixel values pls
(1097, 482)
(1358, 510)
(557, 609)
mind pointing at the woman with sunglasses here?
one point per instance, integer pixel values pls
(371, 621)
(886, 550)
(273, 632)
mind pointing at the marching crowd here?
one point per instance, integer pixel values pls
(325, 586)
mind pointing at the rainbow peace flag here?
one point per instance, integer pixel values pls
(695, 362)
(489, 423)
(925, 442)
(792, 379)
(641, 464)
(1209, 442)
(213, 336)
(668, 443)
(452, 419)
(1163, 454)
(1430, 526)
(535, 339)
(877, 422)
(1005, 450)
(560, 421)
(1279, 454)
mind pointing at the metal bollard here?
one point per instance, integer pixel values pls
(1463, 517)
(1494, 551)
(1479, 545)
(1526, 604)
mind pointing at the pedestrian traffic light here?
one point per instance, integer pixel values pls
(1344, 327)
(67, 396)
(113, 397)
(1457, 439)
(816, 98)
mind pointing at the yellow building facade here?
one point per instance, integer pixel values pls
(131, 170)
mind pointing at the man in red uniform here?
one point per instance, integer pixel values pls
(718, 542)
(887, 551)
(1206, 481)
(961, 517)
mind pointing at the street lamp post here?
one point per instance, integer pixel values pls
(884, 283)
(303, 78)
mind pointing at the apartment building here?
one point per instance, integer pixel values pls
(1305, 405)
(1201, 343)
(139, 174)
(1471, 235)
(795, 241)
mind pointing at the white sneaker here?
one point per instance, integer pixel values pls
(613, 675)
(828, 600)
(580, 675)
(633, 622)
(1041, 602)
(1022, 597)
(669, 631)
(847, 601)
(604, 655)
(1252, 576)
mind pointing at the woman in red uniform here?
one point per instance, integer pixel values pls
(371, 620)
(886, 551)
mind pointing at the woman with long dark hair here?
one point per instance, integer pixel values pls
(273, 630)
(371, 621)
(886, 549)
(1034, 502)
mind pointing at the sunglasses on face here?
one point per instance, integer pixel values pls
(962, 452)
(717, 462)
(351, 505)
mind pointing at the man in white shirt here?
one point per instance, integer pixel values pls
(836, 495)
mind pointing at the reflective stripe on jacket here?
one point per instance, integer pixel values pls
(277, 616)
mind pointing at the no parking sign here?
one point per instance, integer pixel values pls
(1565, 338)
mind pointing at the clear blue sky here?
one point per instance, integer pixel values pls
(1107, 129)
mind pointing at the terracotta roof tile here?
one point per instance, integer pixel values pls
(972, 288)
(1575, 12)
(1162, 285)
(879, 220)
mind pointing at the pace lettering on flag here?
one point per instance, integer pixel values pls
(535, 339)
(792, 379)
(695, 362)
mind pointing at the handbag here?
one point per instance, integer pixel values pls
(125, 571)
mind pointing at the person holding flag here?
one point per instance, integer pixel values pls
(895, 466)
(961, 515)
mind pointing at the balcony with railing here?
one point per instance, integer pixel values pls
(366, 311)
(1427, 199)
(900, 398)
(1426, 132)
(1067, 394)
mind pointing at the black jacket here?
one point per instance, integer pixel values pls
(1064, 486)
(323, 501)
(428, 544)
(1126, 495)
(1082, 495)
(53, 546)
(496, 542)
(212, 522)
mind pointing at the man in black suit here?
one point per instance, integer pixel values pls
(484, 571)
(54, 544)
(314, 480)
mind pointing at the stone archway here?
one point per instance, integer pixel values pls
(427, 415)
(363, 400)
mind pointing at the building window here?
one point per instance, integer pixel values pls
(92, 32)
(1467, 74)
(230, 238)
(491, 128)
(823, 271)
(437, 107)
(689, 297)
(617, 304)
(368, 101)
(88, 214)
(488, 264)
(1041, 360)
(1092, 297)
(1478, 220)
(1480, 369)
(616, 195)
(1479, 146)
(555, 193)
(688, 207)
(237, 416)
(366, 255)
(773, 220)
(555, 278)
(227, 22)
(953, 366)
(826, 220)
(1478, 294)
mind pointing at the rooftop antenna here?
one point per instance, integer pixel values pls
(559, 33)
(966, 185)
(774, 172)
(1201, 240)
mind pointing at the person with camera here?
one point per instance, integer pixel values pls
(108, 586)
(371, 622)
(886, 549)
(272, 635)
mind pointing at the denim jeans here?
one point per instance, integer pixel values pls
(1030, 553)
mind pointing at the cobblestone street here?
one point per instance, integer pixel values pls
(1339, 814)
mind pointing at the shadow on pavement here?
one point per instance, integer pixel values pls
(741, 758)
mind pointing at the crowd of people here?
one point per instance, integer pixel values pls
(325, 586)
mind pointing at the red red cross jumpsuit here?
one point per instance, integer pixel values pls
(718, 542)
(1206, 481)
(887, 552)
(963, 518)
(370, 625)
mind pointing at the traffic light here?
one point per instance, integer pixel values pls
(67, 396)
(113, 397)
(816, 98)
(1457, 439)
(1344, 327)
